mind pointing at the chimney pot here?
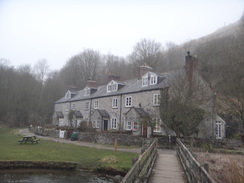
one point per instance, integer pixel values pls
(91, 84)
(191, 66)
(143, 70)
(113, 77)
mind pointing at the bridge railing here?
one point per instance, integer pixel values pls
(194, 171)
(141, 169)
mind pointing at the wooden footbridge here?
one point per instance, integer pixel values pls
(167, 166)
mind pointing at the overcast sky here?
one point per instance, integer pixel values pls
(55, 30)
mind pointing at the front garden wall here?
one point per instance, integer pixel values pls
(94, 137)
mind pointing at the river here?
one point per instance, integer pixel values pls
(52, 176)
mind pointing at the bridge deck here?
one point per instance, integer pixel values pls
(167, 168)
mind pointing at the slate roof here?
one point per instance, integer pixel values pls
(78, 114)
(60, 114)
(131, 86)
(74, 90)
(141, 112)
(103, 113)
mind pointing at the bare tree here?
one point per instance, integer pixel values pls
(232, 82)
(116, 66)
(41, 70)
(183, 103)
(172, 57)
(81, 67)
(147, 52)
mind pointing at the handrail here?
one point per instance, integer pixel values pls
(139, 171)
(194, 171)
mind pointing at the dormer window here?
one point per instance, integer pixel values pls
(145, 81)
(153, 79)
(87, 91)
(149, 79)
(112, 86)
(109, 88)
(68, 95)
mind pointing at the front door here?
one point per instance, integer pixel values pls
(105, 125)
(144, 131)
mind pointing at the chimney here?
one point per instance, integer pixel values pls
(113, 77)
(91, 84)
(143, 70)
(191, 66)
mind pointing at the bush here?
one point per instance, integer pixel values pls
(84, 127)
(49, 126)
(242, 138)
(208, 146)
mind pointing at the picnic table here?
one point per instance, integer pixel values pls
(31, 139)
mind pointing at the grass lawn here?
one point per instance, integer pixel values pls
(45, 150)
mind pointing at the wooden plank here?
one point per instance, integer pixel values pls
(167, 168)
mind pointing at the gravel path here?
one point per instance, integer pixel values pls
(26, 132)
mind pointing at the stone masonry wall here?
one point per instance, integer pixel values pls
(109, 138)
(216, 143)
(94, 137)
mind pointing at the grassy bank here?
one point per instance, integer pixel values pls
(45, 150)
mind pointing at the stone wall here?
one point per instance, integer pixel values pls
(216, 143)
(166, 142)
(44, 131)
(93, 137)
(109, 138)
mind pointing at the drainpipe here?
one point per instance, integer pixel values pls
(90, 111)
(120, 112)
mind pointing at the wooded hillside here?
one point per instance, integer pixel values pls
(27, 94)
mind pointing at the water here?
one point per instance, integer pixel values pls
(52, 176)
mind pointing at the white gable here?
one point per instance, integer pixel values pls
(112, 86)
(150, 78)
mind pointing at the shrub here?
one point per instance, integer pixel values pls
(86, 127)
(242, 138)
(208, 146)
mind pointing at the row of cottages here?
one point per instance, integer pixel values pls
(122, 105)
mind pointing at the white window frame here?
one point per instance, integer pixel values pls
(87, 92)
(153, 79)
(61, 121)
(68, 95)
(96, 104)
(157, 126)
(218, 129)
(145, 81)
(74, 106)
(135, 126)
(87, 105)
(67, 108)
(129, 125)
(95, 124)
(115, 103)
(112, 86)
(128, 101)
(109, 88)
(113, 123)
(156, 99)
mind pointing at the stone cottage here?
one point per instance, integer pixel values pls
(122, 105)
